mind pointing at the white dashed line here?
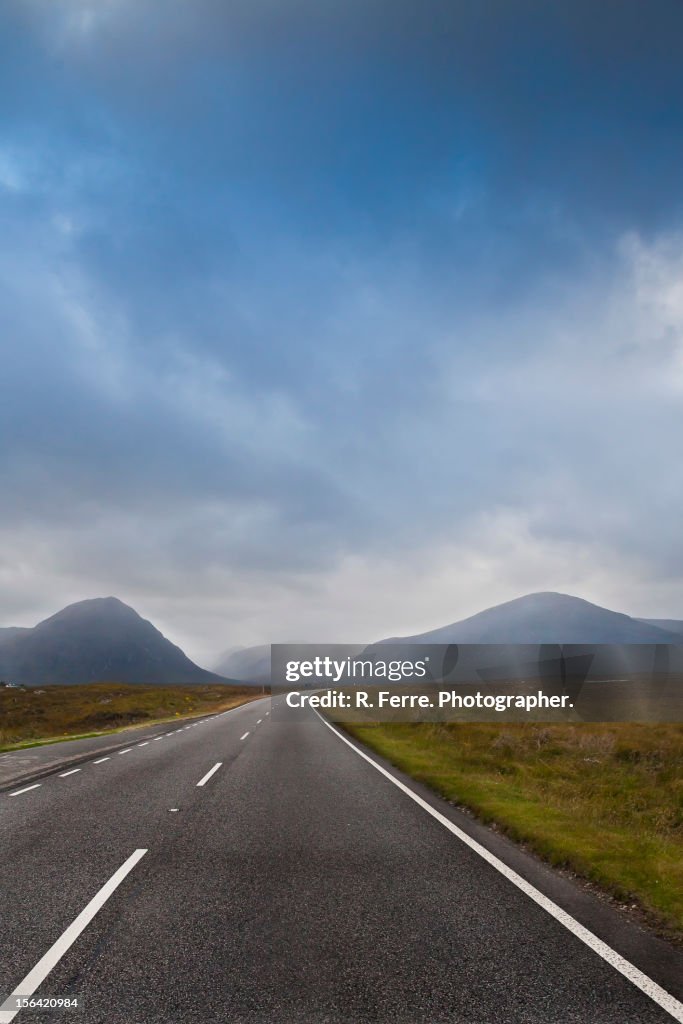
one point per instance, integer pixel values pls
(101, 760)
(202, 782)
(126, 751)
(143, 744)
(55, 953)
(18, 792)
(245, 736)
(259, 721)
(72, 772)
(158, 738)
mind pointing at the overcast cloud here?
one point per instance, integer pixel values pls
(330, 321)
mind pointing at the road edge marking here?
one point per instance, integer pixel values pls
(641, 981)
(37, 975)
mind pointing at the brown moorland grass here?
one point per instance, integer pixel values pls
(66, 712)
(604, 800)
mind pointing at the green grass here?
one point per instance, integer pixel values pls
(56, 713)
(603, 800)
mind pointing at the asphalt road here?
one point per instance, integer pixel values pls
(29, 763)
(296, 882)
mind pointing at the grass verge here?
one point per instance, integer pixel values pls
(605, 801)
(35, 716)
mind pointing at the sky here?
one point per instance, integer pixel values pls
(328, 321)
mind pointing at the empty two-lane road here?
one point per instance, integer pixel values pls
(256, 867)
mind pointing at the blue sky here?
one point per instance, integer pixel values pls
(333, 321)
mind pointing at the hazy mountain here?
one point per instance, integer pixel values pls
(253, 664)
(670, 625)
(248, 664)
(98, 640)
(7, 632)
(547, 618)
(512, 640)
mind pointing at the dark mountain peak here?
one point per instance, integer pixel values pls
(96, 640)
(94, 609)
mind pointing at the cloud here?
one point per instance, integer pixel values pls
(523, 450)
(303, 305)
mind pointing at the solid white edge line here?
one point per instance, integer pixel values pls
(72, 772)
(35, 977)
(244, 737)
(18, 792)
(646, 985)
(202, 782)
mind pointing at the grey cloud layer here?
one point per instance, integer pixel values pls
(287, 285)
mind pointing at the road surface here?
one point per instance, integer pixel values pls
(258, 868)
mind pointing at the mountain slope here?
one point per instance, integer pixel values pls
(98, 640)
(670, 625)
(546, 618)
(7, 632)
(248, 664)
(252, 665)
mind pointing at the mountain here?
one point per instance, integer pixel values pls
(98, 640)
(547, 618)
(520, 638)
(252, 665)
(670, 625)
(9, 631)
(248, 664)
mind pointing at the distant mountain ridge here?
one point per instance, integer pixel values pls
(97, 640)
(541, 618)
(103, 639)
(248, 664)
(548, 618)
(670, 625)
(251, 665)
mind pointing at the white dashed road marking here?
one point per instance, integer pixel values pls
(202, 782)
